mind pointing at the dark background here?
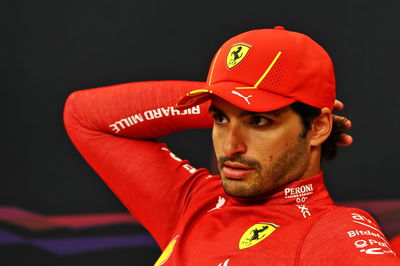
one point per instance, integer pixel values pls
(52, 48)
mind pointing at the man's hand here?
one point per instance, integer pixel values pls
(345, 139)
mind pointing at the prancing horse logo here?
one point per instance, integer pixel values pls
(256, 234)
(236, 54)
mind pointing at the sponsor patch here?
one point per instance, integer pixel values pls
(373, 247)
(360, 219)
(236, 54)
(256, 233)
(304, 210)
(362, 233)
(246, 98)
(157, 113)
(220, 203)
(300, 193)
(363, 239)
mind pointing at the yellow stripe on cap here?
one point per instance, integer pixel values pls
(268, 69)
(263, 75)
(212, 68)
(198, 91)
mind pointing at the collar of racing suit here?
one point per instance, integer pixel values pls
(310, 190)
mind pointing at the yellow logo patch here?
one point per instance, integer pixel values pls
(167, 252)
(256, 234)
(236, 54)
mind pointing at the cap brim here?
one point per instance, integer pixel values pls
(240, 95)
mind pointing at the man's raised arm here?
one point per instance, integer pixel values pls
(114, 128)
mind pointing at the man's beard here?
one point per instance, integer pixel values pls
(286, 168)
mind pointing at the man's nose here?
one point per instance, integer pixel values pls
(234, 143)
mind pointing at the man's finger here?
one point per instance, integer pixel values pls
(338, 105)
(344, 140)
(346, 122)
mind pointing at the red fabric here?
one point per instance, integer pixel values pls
(395, 243)
(115, 127)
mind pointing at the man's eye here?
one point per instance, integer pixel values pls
(219, 118)
(259, 121)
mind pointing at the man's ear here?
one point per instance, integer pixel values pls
(321, 127)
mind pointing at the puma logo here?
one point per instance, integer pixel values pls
(220, 203)
(244, 97)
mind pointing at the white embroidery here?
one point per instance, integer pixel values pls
(304, 210)
(225, 263)
(220, 203)
(244, 97)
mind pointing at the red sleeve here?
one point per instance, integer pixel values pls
(395, 243)
(346, 236)
(114, 129)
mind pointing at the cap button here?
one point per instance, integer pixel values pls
(279, 28)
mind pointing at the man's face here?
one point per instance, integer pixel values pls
(258, 152)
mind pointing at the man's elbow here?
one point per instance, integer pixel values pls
(71, 110)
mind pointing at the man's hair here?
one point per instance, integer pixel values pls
(307, 114)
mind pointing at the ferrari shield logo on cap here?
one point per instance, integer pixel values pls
(236, 54)
(256, 234)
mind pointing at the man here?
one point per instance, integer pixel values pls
(271, 92)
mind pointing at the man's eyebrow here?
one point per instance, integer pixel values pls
(274, 113)
(214, 109)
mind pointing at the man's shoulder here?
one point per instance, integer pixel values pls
(346, 216)
(346, 232)
(339, 223)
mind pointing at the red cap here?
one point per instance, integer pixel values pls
(267, 69)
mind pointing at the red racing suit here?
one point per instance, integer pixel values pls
(186, 210)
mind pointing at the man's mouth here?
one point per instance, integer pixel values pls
(233, 170)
